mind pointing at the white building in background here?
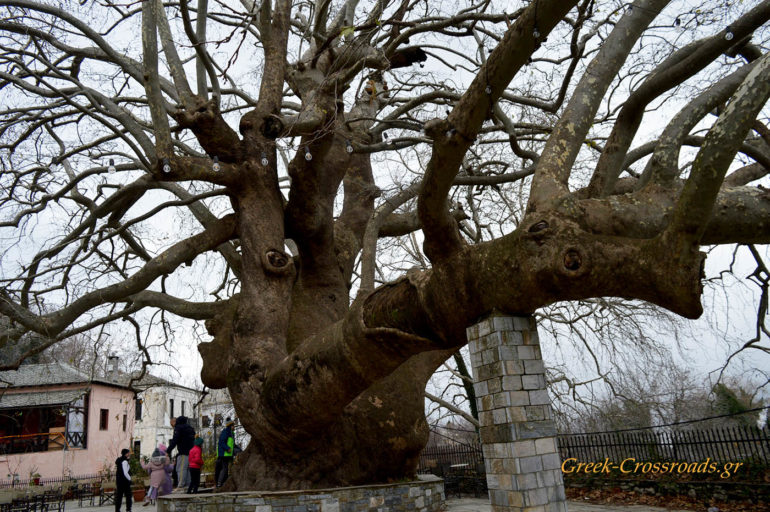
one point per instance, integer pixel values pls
(214, 409)
(158, 401)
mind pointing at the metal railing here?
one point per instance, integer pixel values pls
(726, 444)
(62, 481)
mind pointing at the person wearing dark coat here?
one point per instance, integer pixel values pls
(123, 480)
(184, 437)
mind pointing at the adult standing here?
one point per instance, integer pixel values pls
(123, 480)
(174, 477)
(225, 448)
(184, 436)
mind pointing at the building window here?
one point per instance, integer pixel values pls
(137, 448)
(182, 407)
(206, 421)
(104, 416)
(172, 407)
(125, 421)
(138, 409)
(217, 419)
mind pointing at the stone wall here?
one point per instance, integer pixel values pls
(425, 495)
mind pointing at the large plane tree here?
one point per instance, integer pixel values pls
(614, 140)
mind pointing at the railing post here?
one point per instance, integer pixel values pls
(518, 433)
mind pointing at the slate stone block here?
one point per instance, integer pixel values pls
(502, 399)
(526, 352)
(531, 464)
(480, 388)
(546, 445)
(519, 398)
(511, 383)
(533, 382)
(523, 448)
(517, 414)
(533, 365)
(535, 429)
(522, 323)
(551, 461)
(513, 338)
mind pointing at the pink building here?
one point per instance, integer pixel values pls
(57, 421)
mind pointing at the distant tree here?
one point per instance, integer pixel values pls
(80, 351)
(738, 403)
(667, 395)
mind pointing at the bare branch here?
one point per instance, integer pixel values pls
(716, 155)
(558, 156)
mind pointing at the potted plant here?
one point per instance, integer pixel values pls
(139, 492)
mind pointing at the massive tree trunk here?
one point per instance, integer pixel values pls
(321, 413)
(334, 395)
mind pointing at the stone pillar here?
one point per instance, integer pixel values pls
(518, 433)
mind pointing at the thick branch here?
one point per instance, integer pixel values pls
(173, 61)
(663, 167)
(412, 315)
(746, 175)
(180, 307)
(718, 151)
(680, 66)
(452, 408)
(569, 134)
(400, 224)
(151, 84)
(372, 233)
(453, 137)
(163, 264)
(735, 218)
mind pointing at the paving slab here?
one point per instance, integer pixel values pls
(453, 505)
(482, 505)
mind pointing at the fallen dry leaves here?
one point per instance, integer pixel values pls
(618, 496)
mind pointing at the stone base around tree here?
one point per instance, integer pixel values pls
(424, 495)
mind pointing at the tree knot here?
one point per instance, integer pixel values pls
(573, 262)
(436, 127)
(277, 262)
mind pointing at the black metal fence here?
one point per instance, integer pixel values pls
(434, 458)
(726, 444)
(62, 481)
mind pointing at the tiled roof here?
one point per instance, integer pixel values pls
(149, 381)
(42, 375)
(61, 373)
(10, 400)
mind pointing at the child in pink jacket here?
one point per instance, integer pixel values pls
(196, 463)
(158, 467)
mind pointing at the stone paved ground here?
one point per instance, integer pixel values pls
(482, 505)
(453, 505)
